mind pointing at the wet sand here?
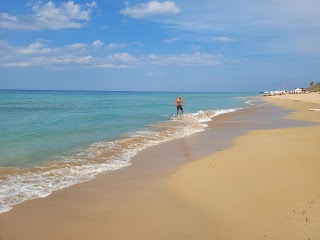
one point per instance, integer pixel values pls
(204, 186)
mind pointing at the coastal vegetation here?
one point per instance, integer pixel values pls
(314, 87)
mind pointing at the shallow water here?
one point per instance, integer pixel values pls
(54, 139)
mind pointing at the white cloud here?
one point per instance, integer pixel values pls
(91, 5)
(109, 65)
(77, 46)
(76, 55)
(74, 11)
(97, 44)
(49, 16)
(222, 39)
(154, 57)
(113, 46)
(6, 17)
(70, 60)
(197, 58)
(84, 59)
(171, 40)
(151, 8)
(17, 65)
(33, 48)
(123, 57)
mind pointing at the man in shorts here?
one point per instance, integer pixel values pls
(178, 103)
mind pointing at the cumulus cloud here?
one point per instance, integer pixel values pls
(38, 54)
(151, 8)
(97, 44)
(123, 57)
(75, 55)
(33, 48)
(49, 16)
(77, 46)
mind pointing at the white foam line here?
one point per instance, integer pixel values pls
(17, 189)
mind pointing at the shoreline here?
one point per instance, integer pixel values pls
(60, 168)
(151, 198)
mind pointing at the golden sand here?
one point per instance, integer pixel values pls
(302, 104)
(305, 98)
(267, 185)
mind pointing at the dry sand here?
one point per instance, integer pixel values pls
(265, 186)
(305, 98)
(301, 103)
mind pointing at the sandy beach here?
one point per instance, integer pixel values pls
(303, 104)
(267, 185)
(242, 184)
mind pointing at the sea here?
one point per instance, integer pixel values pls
(50, 140)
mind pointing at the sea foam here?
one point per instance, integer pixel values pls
(20, 184)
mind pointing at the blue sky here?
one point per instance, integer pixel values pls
(182, 45)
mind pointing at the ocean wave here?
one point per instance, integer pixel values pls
(20, 184)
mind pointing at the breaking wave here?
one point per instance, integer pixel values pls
(20, 184)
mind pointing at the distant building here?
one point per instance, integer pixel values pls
(298, 90)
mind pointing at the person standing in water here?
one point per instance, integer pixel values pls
(178, 103)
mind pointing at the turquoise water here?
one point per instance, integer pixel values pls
(53, 139)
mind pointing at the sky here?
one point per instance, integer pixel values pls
(181, 45)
